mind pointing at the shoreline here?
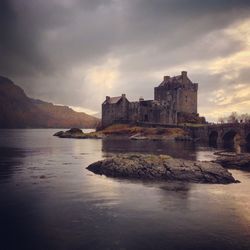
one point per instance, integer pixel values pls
(127, 131)
(227, 161)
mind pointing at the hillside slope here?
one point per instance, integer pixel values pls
(17, 110)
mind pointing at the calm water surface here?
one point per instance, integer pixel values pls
(50, 201)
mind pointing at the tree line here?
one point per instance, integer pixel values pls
(234, 117)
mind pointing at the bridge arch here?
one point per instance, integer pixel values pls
(213, 138)
(231, 138)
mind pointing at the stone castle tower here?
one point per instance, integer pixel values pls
(175, 102)
(179, 92)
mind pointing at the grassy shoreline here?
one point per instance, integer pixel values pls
(126, 130)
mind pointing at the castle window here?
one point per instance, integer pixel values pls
(186, 98)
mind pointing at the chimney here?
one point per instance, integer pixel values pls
(107, 98)
(123, 95)
(141, 99)
(184, 74)
(166, 78)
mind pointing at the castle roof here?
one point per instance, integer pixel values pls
(175, 80)
(115, 99)
(112, 100)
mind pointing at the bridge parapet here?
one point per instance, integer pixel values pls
(224, 132)
(229, 125)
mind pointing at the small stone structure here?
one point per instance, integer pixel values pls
(175, 102)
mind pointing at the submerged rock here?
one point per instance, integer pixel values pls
(233, 160)
(161, 167)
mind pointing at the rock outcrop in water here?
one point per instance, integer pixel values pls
(77, 133)
(130, 131)
(161, 167)
(233, 160)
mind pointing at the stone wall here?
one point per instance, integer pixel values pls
(166, 96)
(134, 109)
(177, 97)
(187, 98)
(175, 101)
(115, 111)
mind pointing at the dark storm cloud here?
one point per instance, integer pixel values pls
(42, 41)
(40, 27)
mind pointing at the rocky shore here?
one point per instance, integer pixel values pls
(125, 130)
(77, 133)
(155, 167)
(233, 160)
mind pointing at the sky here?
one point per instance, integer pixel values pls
(75, 52)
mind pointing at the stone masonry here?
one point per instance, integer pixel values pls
(175, 102)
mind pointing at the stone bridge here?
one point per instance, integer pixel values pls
(227, 134)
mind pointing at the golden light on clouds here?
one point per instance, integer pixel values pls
(233, 93)
(237, 97)
(105, 75)
(95, 81)
(235, 62)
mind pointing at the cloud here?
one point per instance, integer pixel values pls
(77, 52)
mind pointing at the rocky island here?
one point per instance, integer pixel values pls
(161, 167)
(125, 130)
(76, 133)
(233, 160)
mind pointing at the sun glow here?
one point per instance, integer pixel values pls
(105, 75)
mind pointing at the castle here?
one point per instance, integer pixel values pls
(175, 102)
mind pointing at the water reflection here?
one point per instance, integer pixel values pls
(10, 158)
(183, 150)
(72, 208)
(176, 149)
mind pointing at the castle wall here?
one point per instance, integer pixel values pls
(167, 96)
(187, 101)
(149, 111)
(133, 112)
(178, 98)
(113, 112)
(175, 101)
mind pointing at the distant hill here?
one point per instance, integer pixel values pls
(17, 110)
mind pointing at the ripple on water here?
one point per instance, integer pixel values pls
(63, 206)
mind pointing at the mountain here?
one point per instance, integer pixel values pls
(17, 110)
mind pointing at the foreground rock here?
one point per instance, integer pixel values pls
(161, 168)
(233, 160)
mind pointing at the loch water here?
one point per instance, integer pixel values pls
(49, 200)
